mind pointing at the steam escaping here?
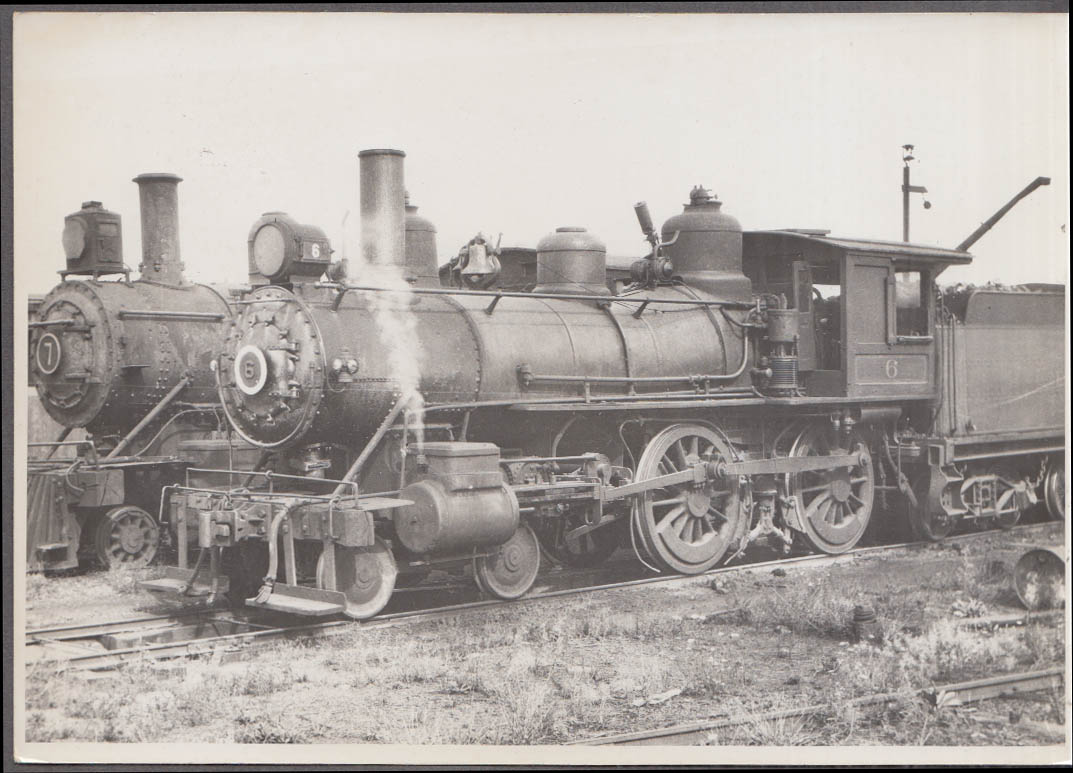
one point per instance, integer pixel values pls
(397, 326)
(382, 264)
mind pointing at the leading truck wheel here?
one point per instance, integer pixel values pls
(1054, 492)
(510, 571)
(127, 536)
(687, 527)
(366, 576)
(836, 503)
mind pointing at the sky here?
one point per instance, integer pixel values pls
(518, 124)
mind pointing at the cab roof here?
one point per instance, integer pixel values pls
(795, 244)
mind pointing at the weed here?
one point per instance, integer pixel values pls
(530, 714)
(820, 610)
(266, 731)
(1044, 645)
(465, 683)
(261, 680)
(754, 725)
(703, 677)
(781, 731)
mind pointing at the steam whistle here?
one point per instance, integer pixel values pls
(480, 266)
(655, 267)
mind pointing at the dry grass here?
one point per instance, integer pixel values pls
(123, 581)
(539, 674)
(809, 608)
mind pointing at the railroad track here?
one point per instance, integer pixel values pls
(218, 632)
(960, 693)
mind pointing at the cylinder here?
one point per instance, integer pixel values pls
(383, 208)
(161, 257)
(572, 261)
(444, 521)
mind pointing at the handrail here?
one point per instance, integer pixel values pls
(498, 294)
(270, 476)
(208, 316)
(691, 379)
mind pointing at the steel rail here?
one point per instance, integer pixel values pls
(85, 631)
(207, 645)
(958, 693)
(114, 626)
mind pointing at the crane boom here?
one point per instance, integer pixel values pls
(986, 225)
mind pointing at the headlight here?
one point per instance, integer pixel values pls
(269, 250)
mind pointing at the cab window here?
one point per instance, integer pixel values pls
(911, 303)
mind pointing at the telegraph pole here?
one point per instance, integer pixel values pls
(907, 189)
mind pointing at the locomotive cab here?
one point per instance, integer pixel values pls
(866, 309)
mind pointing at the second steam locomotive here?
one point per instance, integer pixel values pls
(745, 386)
(129, 363)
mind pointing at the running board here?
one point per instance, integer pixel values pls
(300, 600)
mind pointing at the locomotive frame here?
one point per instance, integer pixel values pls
(823, 405)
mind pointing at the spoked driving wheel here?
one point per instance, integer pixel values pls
(366, 576)
(836, 504)
(127, 536)
(687, 527)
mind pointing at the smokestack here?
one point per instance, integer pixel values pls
(383, 208)
(158, 193)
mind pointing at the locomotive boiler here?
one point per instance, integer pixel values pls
(128, 362)
(745, 387)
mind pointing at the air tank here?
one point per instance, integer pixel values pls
(572, 261)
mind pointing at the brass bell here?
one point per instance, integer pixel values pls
(480, 266)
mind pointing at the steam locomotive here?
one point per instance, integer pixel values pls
(128, 362)
(745, 386)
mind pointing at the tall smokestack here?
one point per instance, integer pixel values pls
(158, 193)
(383, 208)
